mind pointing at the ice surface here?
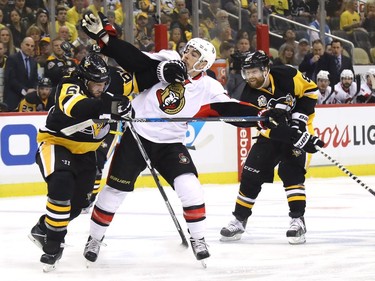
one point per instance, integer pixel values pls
(143, 244)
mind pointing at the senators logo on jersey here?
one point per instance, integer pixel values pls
(171, 99)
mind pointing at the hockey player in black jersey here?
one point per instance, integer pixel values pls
(40, 100)
(68, 163)
(287, 146)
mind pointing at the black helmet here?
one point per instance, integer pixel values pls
(93, 68)
(45, 82)
(256, 59)
(94, 48)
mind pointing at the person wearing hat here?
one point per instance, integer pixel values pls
(43, 22)
(303, 48)
(141, 25)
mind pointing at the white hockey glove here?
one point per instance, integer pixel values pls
(299, 121)
(308, 142)
(172, 71)
(93, 26)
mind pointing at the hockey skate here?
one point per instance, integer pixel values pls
(92, 249)
(200, 250)
(49, 261)
(38, 236)
(233, 231)
(297, 230)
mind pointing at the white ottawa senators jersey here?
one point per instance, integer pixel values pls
(174, 100)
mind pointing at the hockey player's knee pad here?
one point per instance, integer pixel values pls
(189, 190)
(291, 175)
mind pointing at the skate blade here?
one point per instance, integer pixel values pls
(297, 240)
(49, 267)
(89, 264)
(203, 263)
(36, 242)
(235, 237)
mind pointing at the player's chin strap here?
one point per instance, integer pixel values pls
(266, 78)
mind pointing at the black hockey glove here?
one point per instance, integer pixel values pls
(299, 121)
(172, 71)
(307, 142)
(274, 118)
(122, 110)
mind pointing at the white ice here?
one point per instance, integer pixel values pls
(143, 244)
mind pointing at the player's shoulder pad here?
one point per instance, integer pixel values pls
(164, 55)
(283, 71)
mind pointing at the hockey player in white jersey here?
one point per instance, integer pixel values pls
(200, 95)
(346, 89)
(322, 81)
(367, 93)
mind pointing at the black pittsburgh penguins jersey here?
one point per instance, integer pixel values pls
(289, 89)
(73, 105)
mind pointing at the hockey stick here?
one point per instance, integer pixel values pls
(358, 81)
(330, 94)
(158, 184)
(82, 125)
(345, 170)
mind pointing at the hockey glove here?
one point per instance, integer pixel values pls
(274, 118)
(299, 121)
(307, 142)
(107, 26)
(125, 110)
(92, 26)
(172, 71)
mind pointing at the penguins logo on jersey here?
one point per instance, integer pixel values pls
(288, 102)
(171, 99)
(262, 101)
(296, 152)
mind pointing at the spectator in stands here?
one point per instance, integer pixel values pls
(179, 5)
(96, 6)
(325, 96)
(300, 8)
(289, 37)
(5, 8)
(7, 38)
(166, 7)
(175, 36)
(235, 82)
(209, 12)
(335, 8)
(369, 20)
(316, 61)
(45, 51)
(203, 31)
(303, 48)
(21, 74)
(79, 53)
(82, 38)
(183, 22)
(61, 21)
(64, 33)
(3, 56)
(141, 20)
(346, 89)
(232, 6)
(1, 18)
(253, 42)
(112, 19)
(251, 23)
(147, 6)
(224, 34)
(26, 13)
(146, 44)
(74, 14)
(350, 19)
(328, 49)
(58, 65)
(341, 62)
(34, 32)
(367, 93)
(315, 34)
(180, 47)
(286, 55)
(43, 22)
(17, 27)
(38, 100)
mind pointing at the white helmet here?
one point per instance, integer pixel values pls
(206, 49)
(323, 74)
(347, 73)
(371, 71)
